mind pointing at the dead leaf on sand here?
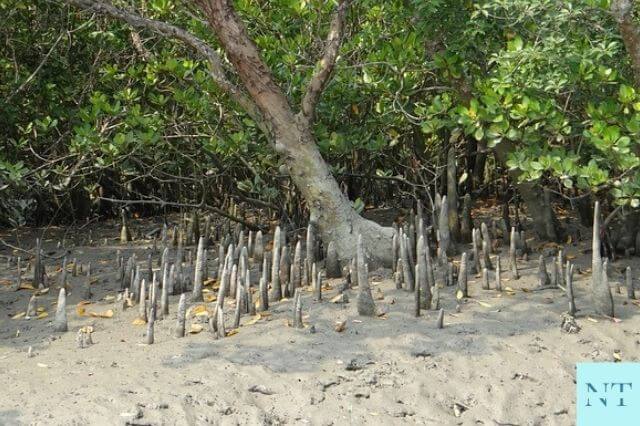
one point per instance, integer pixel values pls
(106, 314)
(195, 328)
(42, 315)
(82, 311)
(340, 326)
(138, 321)
(253, 320)
(232, 332)
(26, 286)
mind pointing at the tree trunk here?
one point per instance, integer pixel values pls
(622, 11)
(545, 223)
(295, 143)
(265, 102)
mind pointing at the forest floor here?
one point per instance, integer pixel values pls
(501, 360)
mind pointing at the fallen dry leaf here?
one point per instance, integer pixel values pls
(19, 315)
(138, 321)
(232, 332)
(253, 320)
(210, 297)
(106, 314)
(26, 286)
(42, 315)
(617, 357)
(199, 310)
(459, 294)
(340, 326)
(195, 328)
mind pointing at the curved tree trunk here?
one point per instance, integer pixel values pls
(294, 140)
(329, 207)
(265, 102)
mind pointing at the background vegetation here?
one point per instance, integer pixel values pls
(93, 109)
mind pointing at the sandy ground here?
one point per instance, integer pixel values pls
(501, 360)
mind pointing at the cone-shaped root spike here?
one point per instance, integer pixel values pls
(543, 276)
(60, 322)
(600, 292)
(366, 305)
(440, 320)
(462, 276)
(182, 311)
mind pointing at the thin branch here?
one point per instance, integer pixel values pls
(163, 203)
(38, 68)
(325, 66)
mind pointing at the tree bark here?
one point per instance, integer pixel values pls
(622, 11)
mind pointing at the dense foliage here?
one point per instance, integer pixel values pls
(95, 109)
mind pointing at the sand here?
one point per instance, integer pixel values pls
(501, 360)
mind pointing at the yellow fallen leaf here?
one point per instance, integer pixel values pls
(617, 356)
(526, 290)
(195, 328)
(106, 314)
(26, 286)
(138, 321)
(508, 289)
(210, 297)
(199, 309)
(232, 332)
(208, 282)
(19, 315)
(253, 320)
(459, 294)
(42, 315)
(39, 309)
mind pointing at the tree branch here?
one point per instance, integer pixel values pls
(204, 206)
(622, 11)
(255, 74)
(216, 68)
(325, 66)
